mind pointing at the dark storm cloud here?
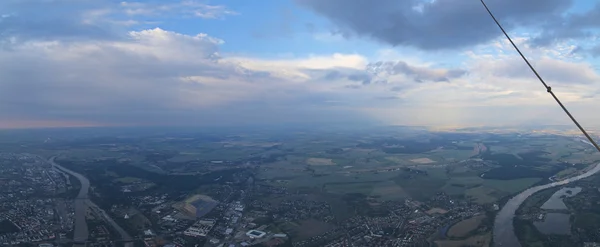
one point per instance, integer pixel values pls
(438, 24)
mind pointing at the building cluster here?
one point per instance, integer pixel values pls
(406, 224)
(201, 228)
(25, 176)
(238, 216)
(302, 209)
(31, 207)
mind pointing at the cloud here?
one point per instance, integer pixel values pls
(142, 75)
(419, 74)
(187, 8)
(153, 77)
(162, 77)
(26, 20)
(571, 26)
(91, 20)
(596, 51)
(551, 70)
(441, 24)
(95, 71)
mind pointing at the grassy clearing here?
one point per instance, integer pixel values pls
(307, 180)
(466, 181)
(463, 228)
(458, 185)
(451, 155)
(305, 229)
(388, 190)
(320, 162)
(481, 195)
(536, 200)
(128, 180)
(280, 173)
(185, 157)
(421, 188)
(423, 161)
(112, 174)
(511, 186)
(566, 173)
(475, 241)
(362, 188)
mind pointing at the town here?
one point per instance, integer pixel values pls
(37, 206)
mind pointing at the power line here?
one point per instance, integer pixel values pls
(548, 88)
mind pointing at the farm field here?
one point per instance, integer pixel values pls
(395, 169)
(388, 163)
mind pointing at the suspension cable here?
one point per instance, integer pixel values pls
(548, 88)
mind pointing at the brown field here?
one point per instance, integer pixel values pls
(478, 241)
(462, 229)
(319, 162)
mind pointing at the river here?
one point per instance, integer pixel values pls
(82, 202)
(504, 232)
(81, 229)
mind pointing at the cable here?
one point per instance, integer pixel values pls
(548, 88)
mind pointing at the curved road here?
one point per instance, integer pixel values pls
(504, 233)
(81, 205)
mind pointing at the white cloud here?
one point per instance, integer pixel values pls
(161, 77)
(156, 76)
(188, 8)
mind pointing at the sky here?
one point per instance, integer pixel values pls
(442, 63)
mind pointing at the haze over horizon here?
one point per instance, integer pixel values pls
(191, 62)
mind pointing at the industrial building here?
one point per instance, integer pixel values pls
(201, 228)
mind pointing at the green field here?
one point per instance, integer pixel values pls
(390, 163)
(511, 186)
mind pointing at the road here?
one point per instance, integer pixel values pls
(504, 233)
(82, 202)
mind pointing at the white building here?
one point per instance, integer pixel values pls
(255, 234)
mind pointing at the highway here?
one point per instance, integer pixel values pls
(82, 202)
(504, 232)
